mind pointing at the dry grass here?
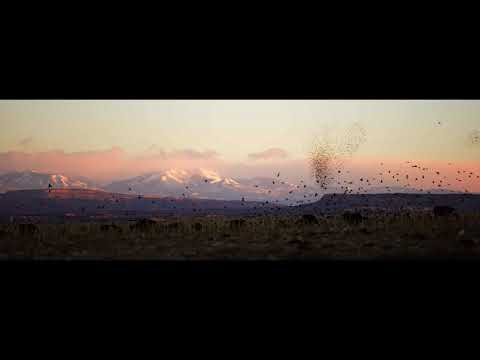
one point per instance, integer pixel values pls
(262, 237)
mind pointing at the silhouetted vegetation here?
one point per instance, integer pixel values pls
(347, 235)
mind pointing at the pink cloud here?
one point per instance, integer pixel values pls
(92, 163)
(156, 152)
(106, 164)
(272, 153)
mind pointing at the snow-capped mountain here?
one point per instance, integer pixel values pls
(201, 183)
(28, 180)
(174, 182)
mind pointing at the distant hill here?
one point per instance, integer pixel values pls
(85, 201)
(341, 202)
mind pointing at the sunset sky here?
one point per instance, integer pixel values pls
(244, 138)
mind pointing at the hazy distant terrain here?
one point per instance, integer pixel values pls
(84, 203)
(78, 203)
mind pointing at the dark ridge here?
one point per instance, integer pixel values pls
(85, 204)
(394, 202)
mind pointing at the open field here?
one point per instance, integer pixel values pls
(404, 235)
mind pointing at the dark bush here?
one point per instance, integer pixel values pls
(353, 218)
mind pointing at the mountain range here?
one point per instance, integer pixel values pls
(179, 183)
(199, 183)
